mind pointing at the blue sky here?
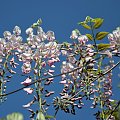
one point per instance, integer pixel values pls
(62, 17)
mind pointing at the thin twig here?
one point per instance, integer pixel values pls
(39, 81)
(97, 78)
(58, 76)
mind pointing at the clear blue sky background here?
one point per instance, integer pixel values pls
(62, 17)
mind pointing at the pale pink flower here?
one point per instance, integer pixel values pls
(26, 68)
(28, 90)
(27, 56)
(114, 38)
(27, 81)
(51, 62)
(13, 63)
(53, 66)
(63, 82)
(50, 35)
(66, 67)
(30, 103)
(88, 58)
(43, 64)
(7, 35)
(17, 30)
(74, 35)
(64, 52)
(82, 39)
(12, 71)
(29, 31)
(51, 71)
(0, 60)
(50, 79)
(56, 59)
(49, 93)
(45, 74)
(63, 76)
(36, 40)
(39, 30)
(35, 71)
(50, 74)
(72, 59)
(41, 34)
(27, 105)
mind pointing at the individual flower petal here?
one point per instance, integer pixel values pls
(28, 90)
(27, 105)
(27, 81)
(51, 71)
(49, 93)
(63, 82)
(1, 60)
(30, 103)
(50, 79)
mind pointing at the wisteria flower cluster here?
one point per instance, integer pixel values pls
(85, 73)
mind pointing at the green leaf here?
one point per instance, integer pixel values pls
(39, 21)
(49, 117)
(98, 22)
(15, 116)
(101, 35)
(84, 25)
(89, 36)
(88, 19)
(103, 46)
(119, 111)
(35, 25)
(40, 116)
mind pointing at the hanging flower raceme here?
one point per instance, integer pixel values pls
(11, 41)
(115, 39)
